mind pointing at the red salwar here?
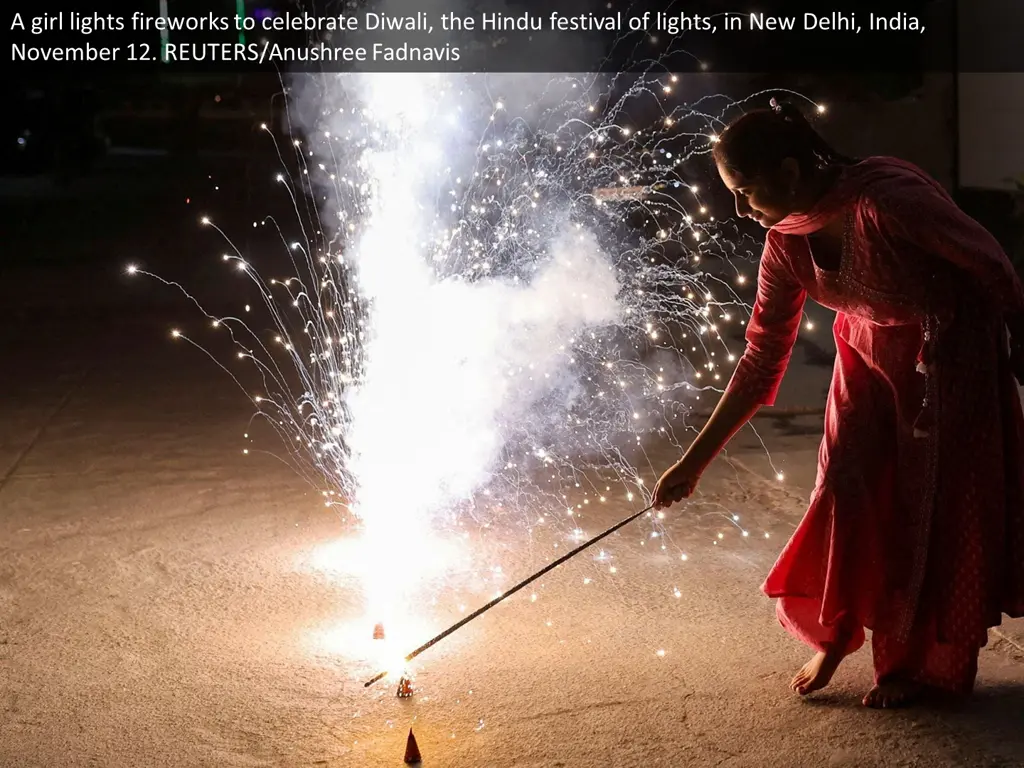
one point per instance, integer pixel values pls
(915, 528)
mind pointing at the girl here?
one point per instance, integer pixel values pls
(916, 523)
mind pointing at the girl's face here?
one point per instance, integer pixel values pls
(758, 200)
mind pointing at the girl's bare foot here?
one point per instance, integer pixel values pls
(893, 693)
(817, 673)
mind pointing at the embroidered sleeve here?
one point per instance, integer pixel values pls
(772, 330)
(923, 215)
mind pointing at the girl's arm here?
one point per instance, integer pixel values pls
(771, 336)
(735, 408)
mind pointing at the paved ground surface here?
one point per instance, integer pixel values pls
(165, 600)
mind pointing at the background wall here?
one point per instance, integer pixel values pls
(918, 127)
(992, 127)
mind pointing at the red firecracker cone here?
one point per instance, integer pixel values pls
(378, 631)
(405, 688)
(412, 751)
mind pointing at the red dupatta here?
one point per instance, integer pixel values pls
(900, 203)
(906, 203)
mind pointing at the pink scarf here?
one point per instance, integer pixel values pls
(886, 176)
(910, 204)
(907, 203)
(871, 173)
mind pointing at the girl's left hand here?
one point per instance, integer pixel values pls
(679, 481)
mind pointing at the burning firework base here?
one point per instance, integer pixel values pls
(405, 689)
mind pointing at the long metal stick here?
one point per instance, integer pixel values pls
(515, 589)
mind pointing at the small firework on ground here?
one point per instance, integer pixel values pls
(412, 750)
(405, 689)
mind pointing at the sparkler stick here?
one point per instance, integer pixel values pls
(516, 588)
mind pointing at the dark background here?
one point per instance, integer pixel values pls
(958, 34)
(100, 169)
(107, 156)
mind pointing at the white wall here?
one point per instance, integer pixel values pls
(991, 115)
(992, 127)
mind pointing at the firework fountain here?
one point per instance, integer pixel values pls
(482, 321)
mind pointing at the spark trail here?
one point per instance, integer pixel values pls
(506, 290)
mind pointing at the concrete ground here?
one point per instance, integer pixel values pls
(166, 600)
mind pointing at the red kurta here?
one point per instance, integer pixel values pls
(916, 524)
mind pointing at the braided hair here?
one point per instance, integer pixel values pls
(755, 144)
